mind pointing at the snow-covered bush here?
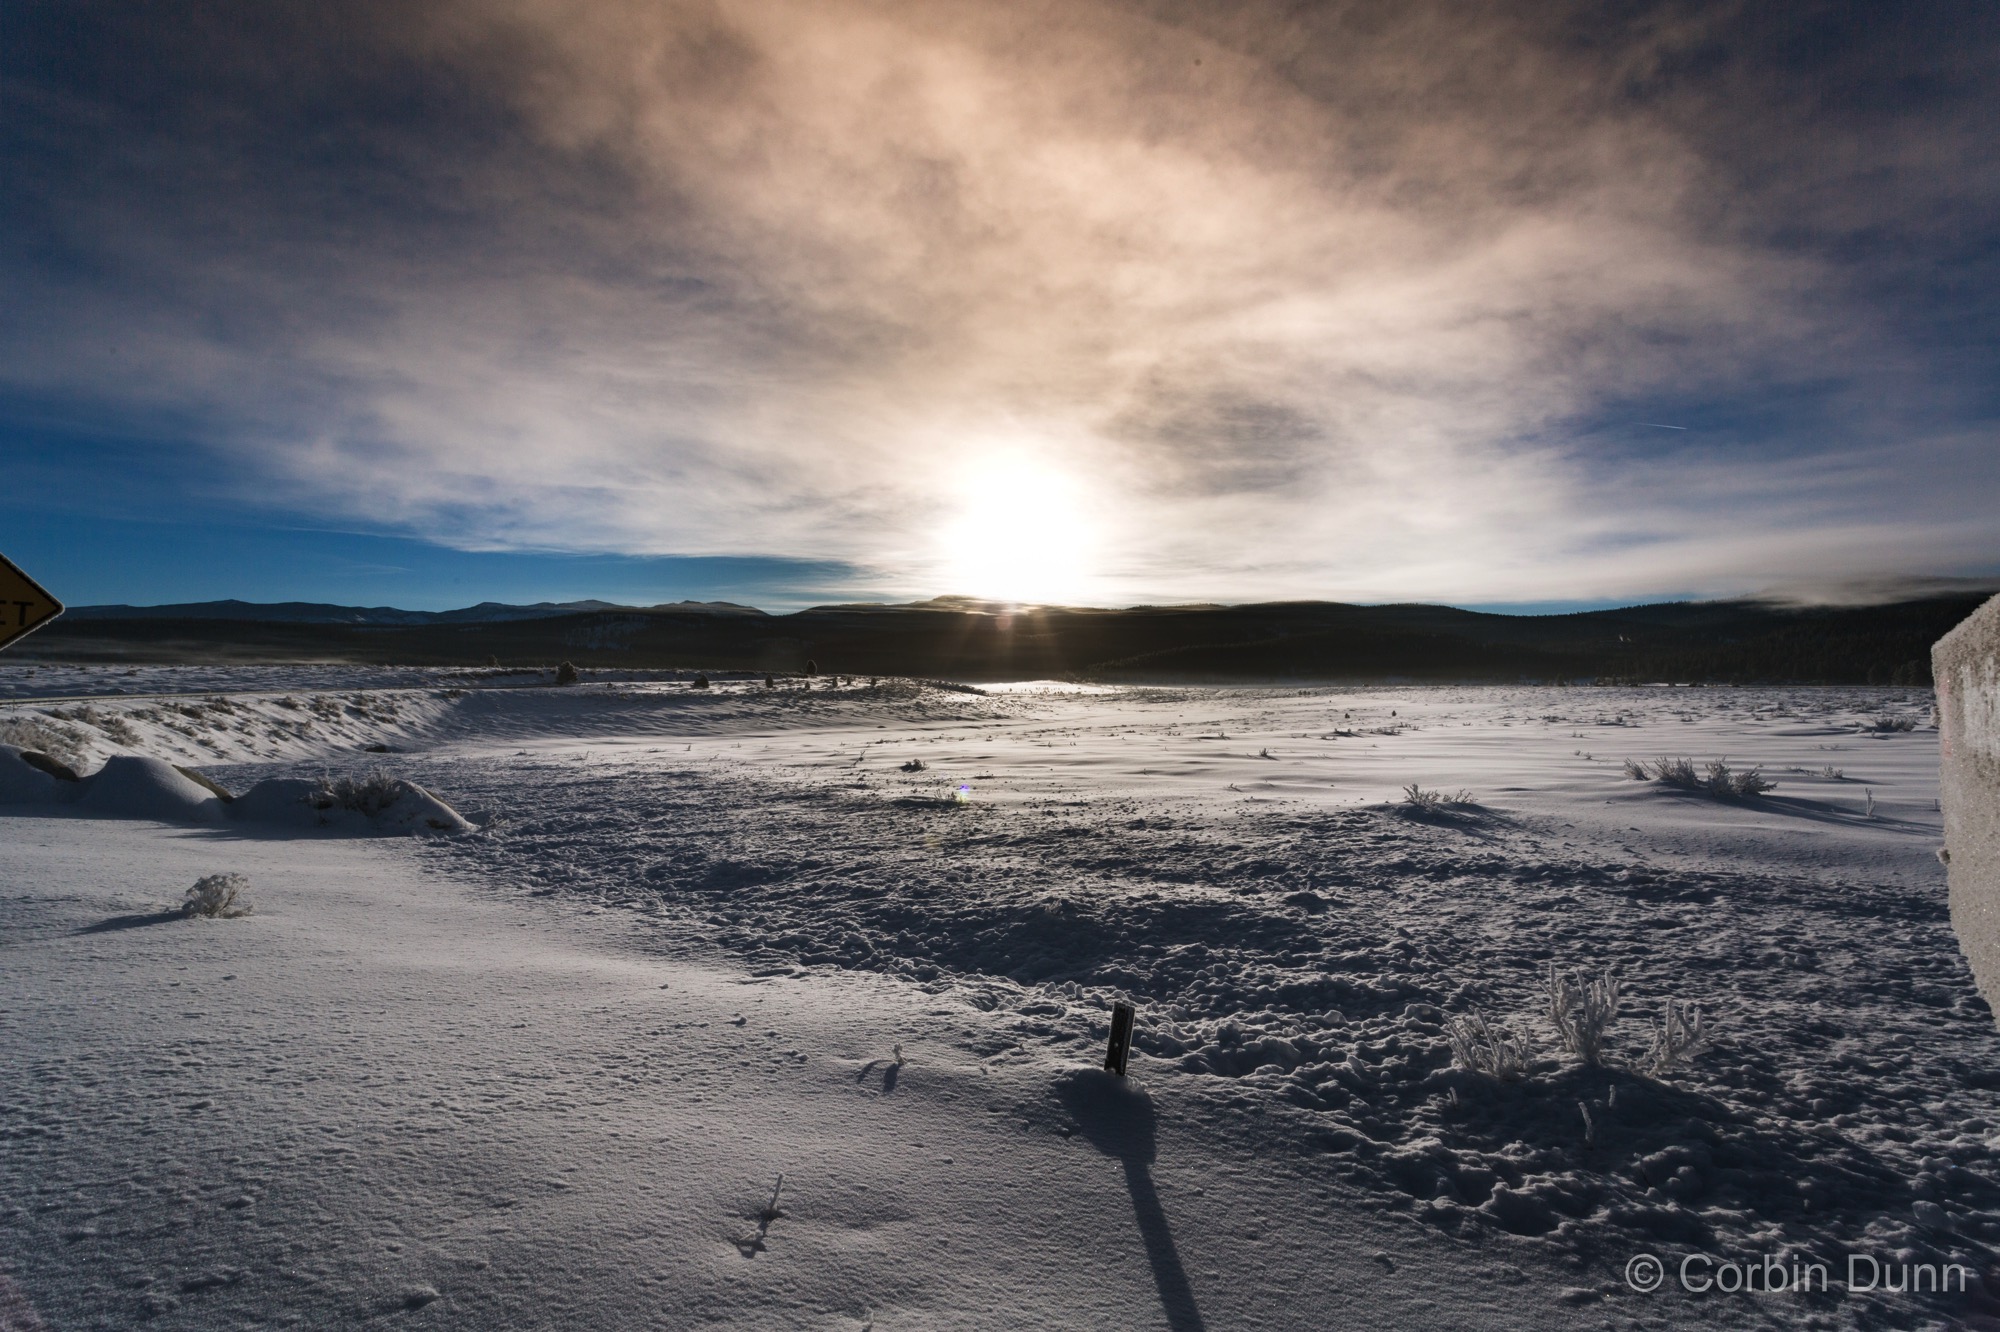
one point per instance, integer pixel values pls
(1583, 1011)
(364, 795)
(33, 733)
(1486, 1047)
(217, 896)
(1886, 723)
(110, 723)
(566, 674)
(1681, 1035)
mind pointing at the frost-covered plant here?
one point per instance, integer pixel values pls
(1886, 723)
(110, 723)
(1677, 773)
(1716, 778)
(365, 795)
(1432, 802)
(1722, 782)
(57, 742)
(1682, 1034)
(1583, 1011)
(217, 896)
(1486, 1047)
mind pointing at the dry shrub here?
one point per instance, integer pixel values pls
(1421, 801)
(1715, 779)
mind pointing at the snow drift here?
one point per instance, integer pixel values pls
(131, 786)
(378, 804)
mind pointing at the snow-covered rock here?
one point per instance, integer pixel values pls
(23, 783)
(131, 787)
(281, 802)
(378, 804)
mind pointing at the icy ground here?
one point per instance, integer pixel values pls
(441, 1083)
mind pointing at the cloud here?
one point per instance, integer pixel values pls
(1359, 301)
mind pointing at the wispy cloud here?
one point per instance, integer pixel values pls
(1364, 301)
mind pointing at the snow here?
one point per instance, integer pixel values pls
(545, 1072)
(133, 787)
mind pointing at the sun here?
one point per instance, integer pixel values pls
(1020, 532)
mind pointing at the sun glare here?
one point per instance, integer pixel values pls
(1020, 534)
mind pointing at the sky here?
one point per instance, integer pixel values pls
(1102, 301)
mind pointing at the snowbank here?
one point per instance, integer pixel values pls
(1966, 665)
(21, 782)
(377, 804)
(133, 787)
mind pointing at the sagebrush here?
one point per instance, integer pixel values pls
(1583, 1011)
(1486, 1047)
(1715, 778)
(58, 742)
(1434, 802)
(1681, 1034)
(365, 795)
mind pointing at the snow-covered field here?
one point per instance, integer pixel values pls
(547, 1073)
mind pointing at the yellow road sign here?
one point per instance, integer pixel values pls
(24, 605)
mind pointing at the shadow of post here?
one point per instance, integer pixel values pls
(130, 923)
(1117, 1119)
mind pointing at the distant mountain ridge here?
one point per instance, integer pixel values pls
(314, 612)
(958, 638)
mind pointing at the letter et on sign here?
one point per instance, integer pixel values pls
(25, 605)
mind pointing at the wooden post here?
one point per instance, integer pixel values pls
(1121, 1038)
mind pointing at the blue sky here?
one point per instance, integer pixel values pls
(1536, 306)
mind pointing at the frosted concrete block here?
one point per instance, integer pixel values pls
(1966, 664)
